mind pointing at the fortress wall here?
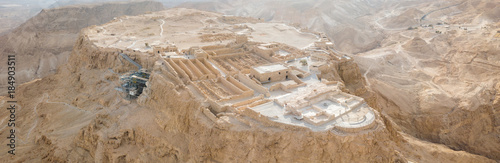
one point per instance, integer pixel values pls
(203, 69)
(319, 95)
(238, 84)
(177, 68)
(277, 86)
(209, 114)
(349, 99)
(281, 86)
(257, 103)
(257, 116)
(194, 69)
(210, 67)
(240, 54)
(230, 86)
(356, 105)
(347, 111)
(249, 101)
(239, 96)
(250, 83)
(295, 78)
(211, 90)
(196, 88)
(309, 120)
(245, 71)
(316, 108)
(306, 74)
(235, 65)
(211, 47)
(222, 68)
(255, 80)
(265, 53)
(169, 67)
(185, 69)
(167, 70)
(216, 106)
(223, 51)
(265, 120)
(219, 88)
(346, 94)
(203, 91)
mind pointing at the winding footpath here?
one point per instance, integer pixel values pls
(430, 12)
(161, 27)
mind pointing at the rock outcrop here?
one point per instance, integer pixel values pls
(438, 82)
(76, 115)
(45, 41)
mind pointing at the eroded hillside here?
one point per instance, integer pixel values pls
(433, 64)
(45, 41)
(78, 115)
(439, 80)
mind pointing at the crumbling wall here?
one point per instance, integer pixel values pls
(250, 83)
(171, 125)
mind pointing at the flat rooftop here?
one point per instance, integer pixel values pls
(270, 68)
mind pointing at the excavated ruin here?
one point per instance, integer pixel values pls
(221, 89)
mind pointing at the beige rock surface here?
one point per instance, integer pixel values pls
(440, 86)
(45, 41)
(76, 115)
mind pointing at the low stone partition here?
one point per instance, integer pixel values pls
(296, 79)
(178, 70)
(249, 101)
(196, 71)
(304, 73)
(227, 51)
(212, 47)
(209, 114)
(258, 102)
(216, 106)
(266, 121)
(320, 96)
(230, 55)
(209, 66)
(311, 121)
(252, 84)
(168, 67)
(185, 69)
(204, 70)
(230, 86)
(222, 68)
(265, 53)
(239, 96)
(285, 86)
(170, 73)
(234, 65)
(205, 91)
(238, 84)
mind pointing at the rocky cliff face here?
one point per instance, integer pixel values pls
(76, 115)
(439, 83)
(45, 41)
(167, 123)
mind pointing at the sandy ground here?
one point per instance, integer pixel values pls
(163, 28)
